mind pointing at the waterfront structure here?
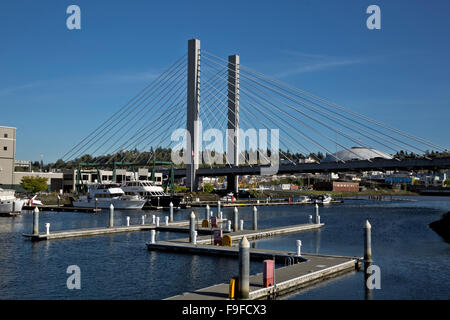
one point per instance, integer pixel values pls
(356, 153)
(11, 178)
(106, 176)
(7, 154)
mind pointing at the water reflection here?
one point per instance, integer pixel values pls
(317, 236)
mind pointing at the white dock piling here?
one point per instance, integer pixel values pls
(153, 236)
(36, 221)
(47, 228)
(171, 212)
(299, 248)
(255, 218)
(244, 269)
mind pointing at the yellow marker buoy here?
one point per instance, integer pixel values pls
(227, 241)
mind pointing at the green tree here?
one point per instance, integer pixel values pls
(34, 184)
(208, 188)
(447, 182)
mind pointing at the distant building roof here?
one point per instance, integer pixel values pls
(356, 153)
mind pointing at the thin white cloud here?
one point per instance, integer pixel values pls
(125, 77)
(13, 89)
(316, 62)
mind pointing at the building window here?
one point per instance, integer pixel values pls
(5, 148)
(5, 135)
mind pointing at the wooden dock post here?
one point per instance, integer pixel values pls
(255, 218)
(111, 215)
(244, 269)
(128, 221)
(236, 220)
(36, 221)
(47, 228)
(171, 212)
(191, 227)
(157, 221)
(153, 219)
(241, 225)
(143, 220)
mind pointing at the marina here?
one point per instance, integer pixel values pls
(194, 272)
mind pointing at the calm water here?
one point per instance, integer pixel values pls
(414, 261)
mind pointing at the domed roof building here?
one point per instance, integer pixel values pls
(356, 153)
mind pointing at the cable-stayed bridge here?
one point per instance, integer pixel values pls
(220, 118)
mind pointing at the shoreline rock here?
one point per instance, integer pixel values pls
(442, 227)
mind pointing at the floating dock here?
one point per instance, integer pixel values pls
(263, 233)
(299, 271)
(317, 268)
(205, 249)
(62, 208)
(62, 234)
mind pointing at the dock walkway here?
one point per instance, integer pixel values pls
(176, 226)
(317, 268)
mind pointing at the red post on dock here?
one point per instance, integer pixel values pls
(268, 269)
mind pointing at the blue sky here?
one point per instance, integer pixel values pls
(56, 85)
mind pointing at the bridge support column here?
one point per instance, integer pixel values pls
(231, 184)
(193, 112)
(233, 116)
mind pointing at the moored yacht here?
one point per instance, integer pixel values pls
(9, 204)
(103, 195)
(324, 199)
(153, 194)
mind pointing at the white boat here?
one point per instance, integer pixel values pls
(103, 195)
(9, 204)
(325, 199)
(304, 199)
(228, 197)
(155, 195)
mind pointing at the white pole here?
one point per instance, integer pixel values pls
(153, 219)
(153, 236)
(299, 248)
(166, 218)
(157, 221)
(143, 220)
(128, 221)
(241, 224)
(47, 228)
(171, 212)
(195, 237)
(229, 225)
